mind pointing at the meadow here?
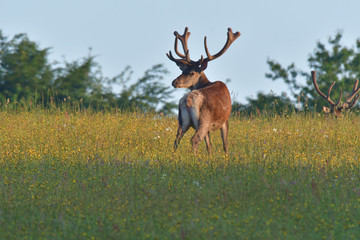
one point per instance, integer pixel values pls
(111, 175)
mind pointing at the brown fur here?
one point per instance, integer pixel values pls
(206, 108)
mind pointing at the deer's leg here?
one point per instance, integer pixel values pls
(208, 143)
(224, 135)
(179, 135)
(184, 125)
(199, 135)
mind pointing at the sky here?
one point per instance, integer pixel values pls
(139, 33)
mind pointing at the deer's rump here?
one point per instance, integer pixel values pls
(210, 106)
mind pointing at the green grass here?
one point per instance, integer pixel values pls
(114, 176)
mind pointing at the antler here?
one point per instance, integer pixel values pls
(185, 58)
(231, 37)
(327, 98)
(349, 103)
(183, 39)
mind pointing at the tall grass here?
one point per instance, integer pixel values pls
(80, 174)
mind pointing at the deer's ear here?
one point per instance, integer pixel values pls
(203, 65)
(326, 109)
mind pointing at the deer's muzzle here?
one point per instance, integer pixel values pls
(175, 84)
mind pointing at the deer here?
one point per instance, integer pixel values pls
(338, 107)
(207, 106)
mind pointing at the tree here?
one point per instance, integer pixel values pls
(24, 67)
(269, 103)
(25, 71)
(148, 93)
(82, 80)
(332, 63)
(74, 79)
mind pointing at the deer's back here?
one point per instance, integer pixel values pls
(212, 102)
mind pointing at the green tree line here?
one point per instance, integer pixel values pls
(26, 74)
(332, 61)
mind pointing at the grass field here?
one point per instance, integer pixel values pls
(114, 176)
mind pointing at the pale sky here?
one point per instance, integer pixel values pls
(139, 33)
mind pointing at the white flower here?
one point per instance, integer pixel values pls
(196, 183)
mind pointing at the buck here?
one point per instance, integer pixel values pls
(337, 108)
(207, 107)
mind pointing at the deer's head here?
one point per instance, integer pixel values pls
(338, 107)
(192, 76)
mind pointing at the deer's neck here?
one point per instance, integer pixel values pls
(203, 82)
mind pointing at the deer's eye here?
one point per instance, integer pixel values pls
(192, 73)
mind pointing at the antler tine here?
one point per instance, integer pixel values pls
(339, 101)
(349, 105)
(328, 95)
(183, 39)
(231, 37)
(313, 74)
(185, 58)
(356, 89)
(177, 61)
